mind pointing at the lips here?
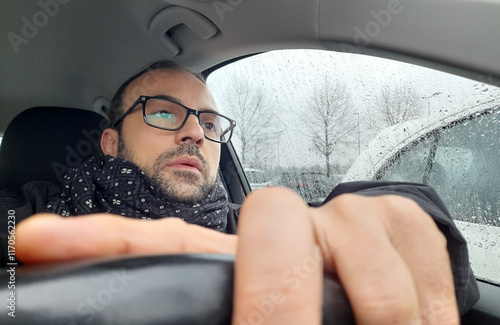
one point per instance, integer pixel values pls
(188, 163)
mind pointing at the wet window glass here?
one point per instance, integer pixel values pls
(461, 163)
(308, 120)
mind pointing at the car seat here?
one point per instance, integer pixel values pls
(41, 143)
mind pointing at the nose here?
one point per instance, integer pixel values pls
(191, 132)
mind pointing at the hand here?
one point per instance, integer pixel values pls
(387, 252)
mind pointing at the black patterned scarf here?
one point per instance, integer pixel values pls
(117, 186)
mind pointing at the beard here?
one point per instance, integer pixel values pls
(178, 185)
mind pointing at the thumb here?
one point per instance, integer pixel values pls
(278, 276)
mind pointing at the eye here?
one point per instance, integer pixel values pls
(163, 115)
(209, 122)
(209, 126)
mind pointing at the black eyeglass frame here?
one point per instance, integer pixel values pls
(144, 99)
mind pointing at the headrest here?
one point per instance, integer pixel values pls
(42, 143)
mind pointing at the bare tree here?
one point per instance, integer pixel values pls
(328, 119)
(248, 105)
(396, 105)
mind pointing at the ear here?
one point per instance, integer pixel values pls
(109, 142)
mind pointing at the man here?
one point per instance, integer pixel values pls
(387, 251)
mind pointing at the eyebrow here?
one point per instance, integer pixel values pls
(177, 100)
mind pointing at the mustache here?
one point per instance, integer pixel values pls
(184, 149)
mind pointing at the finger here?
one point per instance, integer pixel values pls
(50, 238)
(278, 270)
(376, 279)
(423, 248)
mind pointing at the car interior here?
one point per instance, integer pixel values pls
(62, 61)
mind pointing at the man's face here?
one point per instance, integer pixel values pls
(183, 162)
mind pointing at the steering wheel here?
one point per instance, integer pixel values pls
(161, 289)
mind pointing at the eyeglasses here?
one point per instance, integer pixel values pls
(167, 114)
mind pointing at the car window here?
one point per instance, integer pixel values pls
(255, 176)
(308, 120)
(461, 163)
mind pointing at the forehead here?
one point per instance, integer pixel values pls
(179, 84)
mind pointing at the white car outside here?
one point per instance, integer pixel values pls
(393, 139)
(458, 157)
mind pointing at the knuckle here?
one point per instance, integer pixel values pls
(343, 206)
(439, 313)
(405, 212)
(441, 240)
(346, 199)
(388, 309)
(178, 231)
(399, 205)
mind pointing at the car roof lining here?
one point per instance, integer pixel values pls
(409, 34)
(101, 50)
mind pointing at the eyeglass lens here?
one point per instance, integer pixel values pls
(168, 115)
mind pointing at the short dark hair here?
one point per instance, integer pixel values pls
(115, 109)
